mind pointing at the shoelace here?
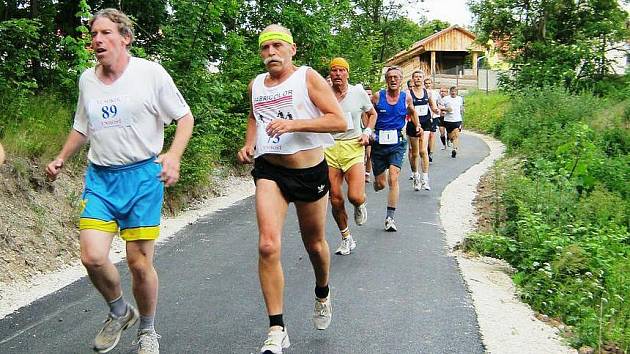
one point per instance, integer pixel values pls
(322, 308)
(143, 338)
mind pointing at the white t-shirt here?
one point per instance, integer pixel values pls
(435, 95)
(288, 100)
(354, 105)
(124, 121)
(457, 103)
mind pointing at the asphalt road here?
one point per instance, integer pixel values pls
(396, 293)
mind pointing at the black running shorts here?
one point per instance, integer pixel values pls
(297, 185)
(450, 126)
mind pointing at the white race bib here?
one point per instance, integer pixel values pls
(110, 112)
(264, 142)
(387, 137)
(349, 120)
(422, 110)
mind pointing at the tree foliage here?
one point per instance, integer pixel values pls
(554, 42)
(210, 48)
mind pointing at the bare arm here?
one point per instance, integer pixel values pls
(364, 139)
(246, 153)
(73, 143)
(433, 105)
(320, 93)
(411, 111)
(171, 159)
(371, 118)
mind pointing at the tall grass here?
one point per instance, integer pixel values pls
(34, 127)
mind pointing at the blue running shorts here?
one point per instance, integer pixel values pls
(126, 197)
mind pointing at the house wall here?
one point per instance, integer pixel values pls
(454, 40)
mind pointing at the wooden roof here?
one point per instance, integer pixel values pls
(452, 39)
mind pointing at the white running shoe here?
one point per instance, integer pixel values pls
(426, 186)
(346, 246)
(276, 341)
(416, 183)
(443, 147)
(390, 225)
(322, 315)
(360, 214)
(147, 342)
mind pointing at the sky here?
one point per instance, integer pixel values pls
(453, 11)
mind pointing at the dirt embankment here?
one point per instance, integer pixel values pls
(37, 221)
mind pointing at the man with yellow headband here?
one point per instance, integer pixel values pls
(293, 111)
(345, 158)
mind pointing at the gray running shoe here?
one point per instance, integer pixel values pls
(113, 326)
(322, 315)
(276, 341)
(147, 342)
(360, 214)
(390, 225)
(346, 246)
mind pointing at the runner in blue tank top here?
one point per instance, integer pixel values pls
(388, 149)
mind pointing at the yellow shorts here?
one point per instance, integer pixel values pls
(345, 154)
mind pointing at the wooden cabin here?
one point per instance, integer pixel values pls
(449, 57)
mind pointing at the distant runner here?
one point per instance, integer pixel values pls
(454, 107)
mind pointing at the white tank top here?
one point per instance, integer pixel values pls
(289, 100)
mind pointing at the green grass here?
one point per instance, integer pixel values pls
(35, 127)
(484, 112)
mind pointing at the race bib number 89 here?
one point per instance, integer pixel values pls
(109, 112)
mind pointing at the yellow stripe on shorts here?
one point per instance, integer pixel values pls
(140, 233)
(96, 224)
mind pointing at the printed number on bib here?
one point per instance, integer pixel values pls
(110, 112)
(349, 120)
(422, 110)
(388, 137)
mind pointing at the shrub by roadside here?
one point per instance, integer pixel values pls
(563, 217)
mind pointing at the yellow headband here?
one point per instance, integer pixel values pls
(340, 62)
(268, 36)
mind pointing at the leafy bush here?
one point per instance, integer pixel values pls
(566, 222)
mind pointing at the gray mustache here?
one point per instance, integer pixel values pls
(268, 60)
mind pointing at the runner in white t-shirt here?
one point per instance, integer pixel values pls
(124, 103)
(345, 158)
(454, 108)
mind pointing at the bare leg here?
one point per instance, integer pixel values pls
(312, 220)
(356, 185)
(424, 153)
(392, 196)
(271, 211)
(95, 247)
(414, 153)
(143, 275)
(336, 197)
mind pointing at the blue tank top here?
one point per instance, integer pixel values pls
(391, 116)
(424, 101)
